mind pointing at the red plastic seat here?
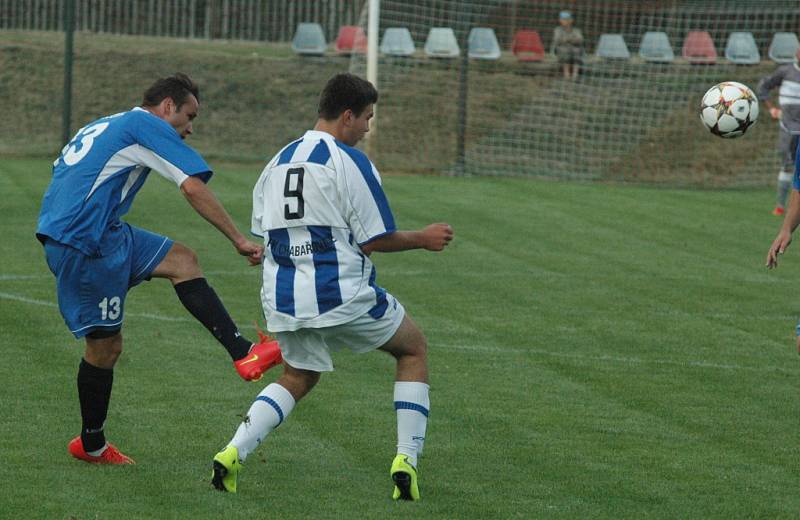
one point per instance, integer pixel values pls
(527, 46)
(698, 47)
(351, 39)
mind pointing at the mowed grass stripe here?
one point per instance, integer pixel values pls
(612, 288)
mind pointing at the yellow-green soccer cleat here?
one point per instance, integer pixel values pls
(404, 476)
(226, 469)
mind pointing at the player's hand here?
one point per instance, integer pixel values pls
(775, 113)
(778, 247)
(254, 252)
(435, 237)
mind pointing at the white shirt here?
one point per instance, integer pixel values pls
(316, 202)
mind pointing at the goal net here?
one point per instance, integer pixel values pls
(626, 117)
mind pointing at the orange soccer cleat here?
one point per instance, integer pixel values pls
(111, 455)
(262, 356)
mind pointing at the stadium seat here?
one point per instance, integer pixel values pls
(309, 39)
(397, 41)
(612, 46)
(351, 39)
(527, 46)
(483, 44)
(783, 47)
(655, 47)
(741, 49)
(698, 47)
(442, 43)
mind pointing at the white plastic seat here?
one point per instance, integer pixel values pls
(309, 39)
(442, 43)
(783, 47)
(483, 44)
(397, 41)
(655, 47)
(742, 49)
(612, 46)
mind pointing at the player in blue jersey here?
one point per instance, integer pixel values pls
(322, 211)
(96, 257)
(792, 218)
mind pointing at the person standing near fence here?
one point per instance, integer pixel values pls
(97, 258)
(787, 77)
(568, 46)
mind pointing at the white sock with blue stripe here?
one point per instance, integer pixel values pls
(412, 404)
(267, 412)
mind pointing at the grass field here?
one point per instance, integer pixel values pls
(596, 351)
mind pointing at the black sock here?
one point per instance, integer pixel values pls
(204, 304)
(94, 394)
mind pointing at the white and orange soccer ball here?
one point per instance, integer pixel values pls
(729, 109)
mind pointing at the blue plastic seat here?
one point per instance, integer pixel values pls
(655, 47)
(309, 39)
(442, 43)
(397, 41)
(783, 47)
(612, 46)
(741, 49)
(483, 44)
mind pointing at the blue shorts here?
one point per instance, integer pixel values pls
(92, 290)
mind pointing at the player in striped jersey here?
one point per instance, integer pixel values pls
(96, 257)
(787, 77)
(322, 211)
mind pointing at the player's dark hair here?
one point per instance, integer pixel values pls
(346, 91)
(178, 87)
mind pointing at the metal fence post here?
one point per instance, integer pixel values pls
(463, 92)
(69, 30)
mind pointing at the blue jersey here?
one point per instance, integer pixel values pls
(100, 171)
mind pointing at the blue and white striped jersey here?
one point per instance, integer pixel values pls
(100, 171)
(315, 203)
(788, 78)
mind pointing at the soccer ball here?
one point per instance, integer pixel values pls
(728, 109)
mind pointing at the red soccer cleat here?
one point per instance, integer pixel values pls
(778, 211)
(262, 356)
(110, 456)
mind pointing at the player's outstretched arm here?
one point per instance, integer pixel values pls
(206, 204)
(784, 237)
(434, 237)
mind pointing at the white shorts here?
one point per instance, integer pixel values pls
(310, 349)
